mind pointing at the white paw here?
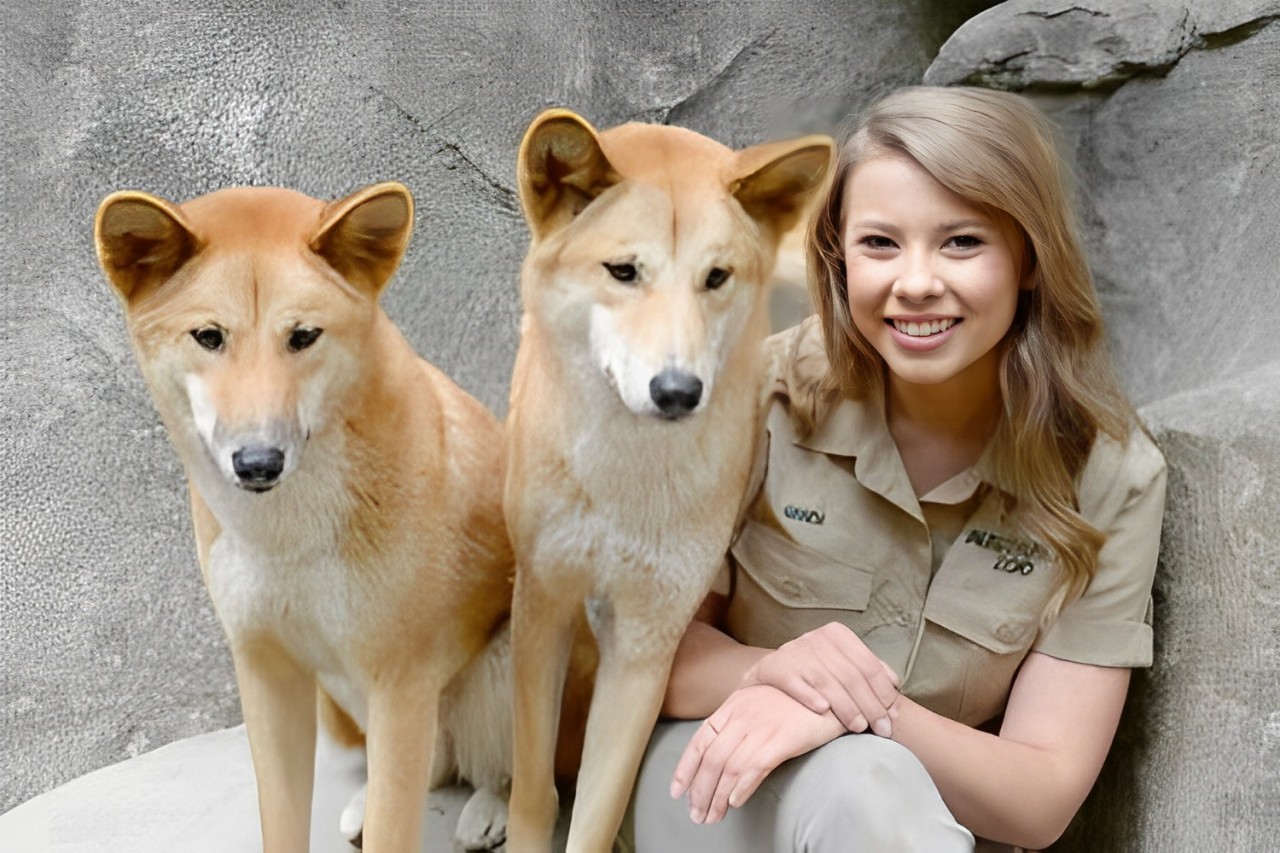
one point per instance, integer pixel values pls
(482, 825)
(351, 824)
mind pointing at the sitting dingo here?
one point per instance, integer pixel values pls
(632, 426)
(345, 494)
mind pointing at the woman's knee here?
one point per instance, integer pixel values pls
(862, 792)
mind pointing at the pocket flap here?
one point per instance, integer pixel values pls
(998, 609)
(799, 576)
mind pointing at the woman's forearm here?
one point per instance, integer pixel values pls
(1000, 790)
(708, 666)
(1024, 786)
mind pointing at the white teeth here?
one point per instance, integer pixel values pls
(923, 330)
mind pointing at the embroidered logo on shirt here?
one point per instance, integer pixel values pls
(799, 513)
(1015, 554)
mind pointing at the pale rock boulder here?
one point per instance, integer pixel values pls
(1170, 118)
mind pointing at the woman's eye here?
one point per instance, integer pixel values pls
(964, 241)
(877, 243)
(622, 272)
(716, 277)
(303, 337)
(210, 337)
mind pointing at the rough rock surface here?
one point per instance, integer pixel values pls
(108, 646)
(1170, 114)
(1096, 44)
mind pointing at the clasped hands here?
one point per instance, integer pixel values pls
(795, 699)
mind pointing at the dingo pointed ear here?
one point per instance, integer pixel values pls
(142, 240)
(774, 180)
(561, 168)
(364, 235)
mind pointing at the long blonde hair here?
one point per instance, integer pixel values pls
(1059, 391)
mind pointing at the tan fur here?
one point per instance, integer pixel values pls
(377, 566)
(613, 507)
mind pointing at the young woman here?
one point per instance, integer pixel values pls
(944, 578)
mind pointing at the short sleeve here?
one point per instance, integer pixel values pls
(1122, 493)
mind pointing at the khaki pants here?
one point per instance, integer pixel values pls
(857, 793)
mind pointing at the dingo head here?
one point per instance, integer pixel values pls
(249, 310)
(655, 283)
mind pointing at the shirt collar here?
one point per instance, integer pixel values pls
(856, 428)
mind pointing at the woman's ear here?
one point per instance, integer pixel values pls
(1028, 279)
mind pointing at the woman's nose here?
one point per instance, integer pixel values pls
(918, 279)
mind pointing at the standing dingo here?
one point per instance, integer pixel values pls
(632, 426)
(345, 494)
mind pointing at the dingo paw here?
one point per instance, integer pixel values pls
(482, 825)
(351, 823)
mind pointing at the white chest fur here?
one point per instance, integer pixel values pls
(277, 570)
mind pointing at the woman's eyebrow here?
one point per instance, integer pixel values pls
(873, 225)
(961, 224)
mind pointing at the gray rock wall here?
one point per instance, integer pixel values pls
(107, 644)
(1171, 114)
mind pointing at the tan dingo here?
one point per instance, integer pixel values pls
(632, 426)
(346, 494)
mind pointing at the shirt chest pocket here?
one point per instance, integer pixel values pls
(991, 596)
(799, 576)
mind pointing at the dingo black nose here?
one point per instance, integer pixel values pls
(675, 392)
(258, 467)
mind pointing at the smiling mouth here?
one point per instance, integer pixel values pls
(924, 329)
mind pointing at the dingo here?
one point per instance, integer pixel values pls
(632, 426)
(345, 494)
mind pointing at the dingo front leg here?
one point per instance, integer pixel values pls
(401, 740)
(278, 698)
(542, 627)
(628, 695)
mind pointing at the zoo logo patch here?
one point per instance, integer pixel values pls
(799, 513)
(1015, 554)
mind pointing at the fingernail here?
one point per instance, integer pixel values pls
(859, 724)
(882, 727)
(696, 815)
(675, 790)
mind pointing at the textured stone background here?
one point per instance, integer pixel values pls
(107, 641)
(1170, 113)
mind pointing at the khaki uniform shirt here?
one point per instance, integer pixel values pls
(940, 587)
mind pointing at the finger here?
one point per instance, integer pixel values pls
(691, 758)
(869, 682)
(702, 787)
(843, 682)
(719, 804)
(748, 782)
(744, 758)
(793, 683)
(874, 712)
(761, 764)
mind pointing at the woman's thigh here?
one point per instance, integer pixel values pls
(859, 792)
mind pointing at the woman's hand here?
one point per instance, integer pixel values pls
(753, 731)
(830, 669)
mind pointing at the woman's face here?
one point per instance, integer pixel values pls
(933, 278)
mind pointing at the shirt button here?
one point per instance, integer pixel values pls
(791, 588)
(1007, 633)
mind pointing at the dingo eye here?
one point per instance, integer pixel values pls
(716, 277)
(622, 272)
(209, 337)
(303, 337)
